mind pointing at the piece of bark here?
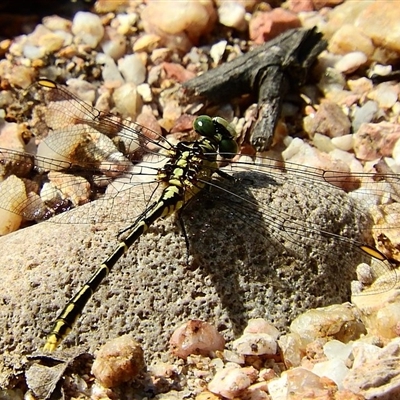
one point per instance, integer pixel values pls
(269, 71)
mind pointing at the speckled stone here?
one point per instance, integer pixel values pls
(236, 270)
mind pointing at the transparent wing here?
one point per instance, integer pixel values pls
(87, 156)
(306, 211)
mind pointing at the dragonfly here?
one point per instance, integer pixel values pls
(104, 158)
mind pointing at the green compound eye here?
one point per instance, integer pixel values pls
(219, 129)
(204, 126)
(228, 148)
(222, 124)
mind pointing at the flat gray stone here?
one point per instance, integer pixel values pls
(241, 265)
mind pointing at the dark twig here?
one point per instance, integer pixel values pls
(268, 71)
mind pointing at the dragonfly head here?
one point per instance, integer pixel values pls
(218, 129)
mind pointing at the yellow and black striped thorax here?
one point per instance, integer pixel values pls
(192, 164)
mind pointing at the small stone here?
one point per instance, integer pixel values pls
(348, 39)
(255, 344)
(323, 143)
(351, 62)
(360, 86)
(207, 396)
(232, 14)
(375, 372)
(267, 25)
(301, 153)
(88, 28)
(179, 24)
(296, 382)
(145, 92)
(364, 114)
(372, 141)
(344, 14)
(336, 349)
(217, 51)
(110, 73)
(334, 369)
(106, 6)
(12, 200)
(132, 69)
(330, 121)
(318, 4)
(229, 382)
(292, 349)
(196, 337)
(74, 188)
(261, 325)
(300, 5)
(113, 43)
(147, 42)
(57, 23)
(385, 94)
(380, 22)
(177, 72)
(334, 321)
(344, 142)
(128, 102)
(120, 360)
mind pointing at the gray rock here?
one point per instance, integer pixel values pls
(242, 265)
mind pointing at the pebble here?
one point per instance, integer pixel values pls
(339, 321)
(296, 382)
(267, 25)
(261, 325)
(298, 6)
(196, 337)
(376, 371)
(385, 94)
(132, 69)
(323, 143)
(364, 114)
(119, 361)
(11, 137)
(113, 43)
(57, 23)
(217, 51)
(110, 73)
(59, 149)
(87, 27)
(255, 344)
(348, 38)
(232, 14)
(179, 24)
(376, 21)
(334, 369)
(292, 349)
(230, 382)
(16, 75)
(12, 199)
(302, 154)
(360, 86)
(329, 120)
(344, 142)
(372, 141)
(125, 23)
(350, 62)
(74, 188)
(380, 21)
(147, 42)
(336, 349)
(145, 92)
(128, 102)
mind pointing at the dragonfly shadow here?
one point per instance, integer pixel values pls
(274, 246)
